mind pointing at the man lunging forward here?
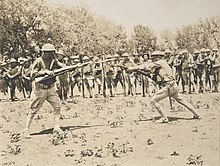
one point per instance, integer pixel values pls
(169, 85)
(44, 90)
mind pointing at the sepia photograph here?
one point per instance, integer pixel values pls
(109, 82)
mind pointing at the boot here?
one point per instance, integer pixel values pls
(26, 133)
(56, 125)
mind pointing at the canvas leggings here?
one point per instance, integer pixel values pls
(163, 93)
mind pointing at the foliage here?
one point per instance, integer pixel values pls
(27, 24)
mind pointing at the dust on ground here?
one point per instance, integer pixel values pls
(117, 131)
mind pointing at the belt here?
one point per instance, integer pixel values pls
(42, 86)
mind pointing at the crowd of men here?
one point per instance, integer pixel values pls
(196, 72)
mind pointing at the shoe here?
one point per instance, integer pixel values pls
(162, 120)
(58, 130)
(196, 117)
(26, 134)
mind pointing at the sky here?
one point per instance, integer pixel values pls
(158, 14)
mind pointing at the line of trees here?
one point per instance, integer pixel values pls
(26, 24)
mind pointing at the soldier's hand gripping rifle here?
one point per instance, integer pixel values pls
(60, 71)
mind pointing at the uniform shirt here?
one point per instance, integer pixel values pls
(42, 64)
(164, 70)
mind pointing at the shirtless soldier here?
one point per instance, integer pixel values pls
(169, 86)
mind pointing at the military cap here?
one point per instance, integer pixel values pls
(203, 50)
(215, 49)
(74, 57)
(12, 60)
(208, 50)
(196, 52)
(108, 56)
(116, 56)
(76, 60)
(184, 51)
(167, 51)
(135, 54)
(125, 54)
(157, 53)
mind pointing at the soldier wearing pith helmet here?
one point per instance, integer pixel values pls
(44, 90)
(169, 85)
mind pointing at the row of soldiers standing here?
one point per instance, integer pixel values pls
(196, 72)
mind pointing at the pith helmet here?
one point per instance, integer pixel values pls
(85, 58)
(48, 47)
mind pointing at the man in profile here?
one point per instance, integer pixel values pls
(169, 86)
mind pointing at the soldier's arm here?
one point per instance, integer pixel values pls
(38, 71)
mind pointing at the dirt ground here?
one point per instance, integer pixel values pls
(117, 131)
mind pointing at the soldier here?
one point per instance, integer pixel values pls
(3, 81)
(13, 75)
(62, 80)
(129, 75)
(118, 75)
(26, 76)
(209, 61)
(178, 67)
(98, 74)
(216, 69)
(109, 74)
(137, 77)
(44, 90)
(188, 79)
(169, 89)
(194, 70)
(170, 57)
(75, 78)
(88, 75)
(200, 69)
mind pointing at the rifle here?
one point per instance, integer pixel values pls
(170, 100)
(60, 71)
(143, 85)
(145, 73)
(103, 61)
(104, 80)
